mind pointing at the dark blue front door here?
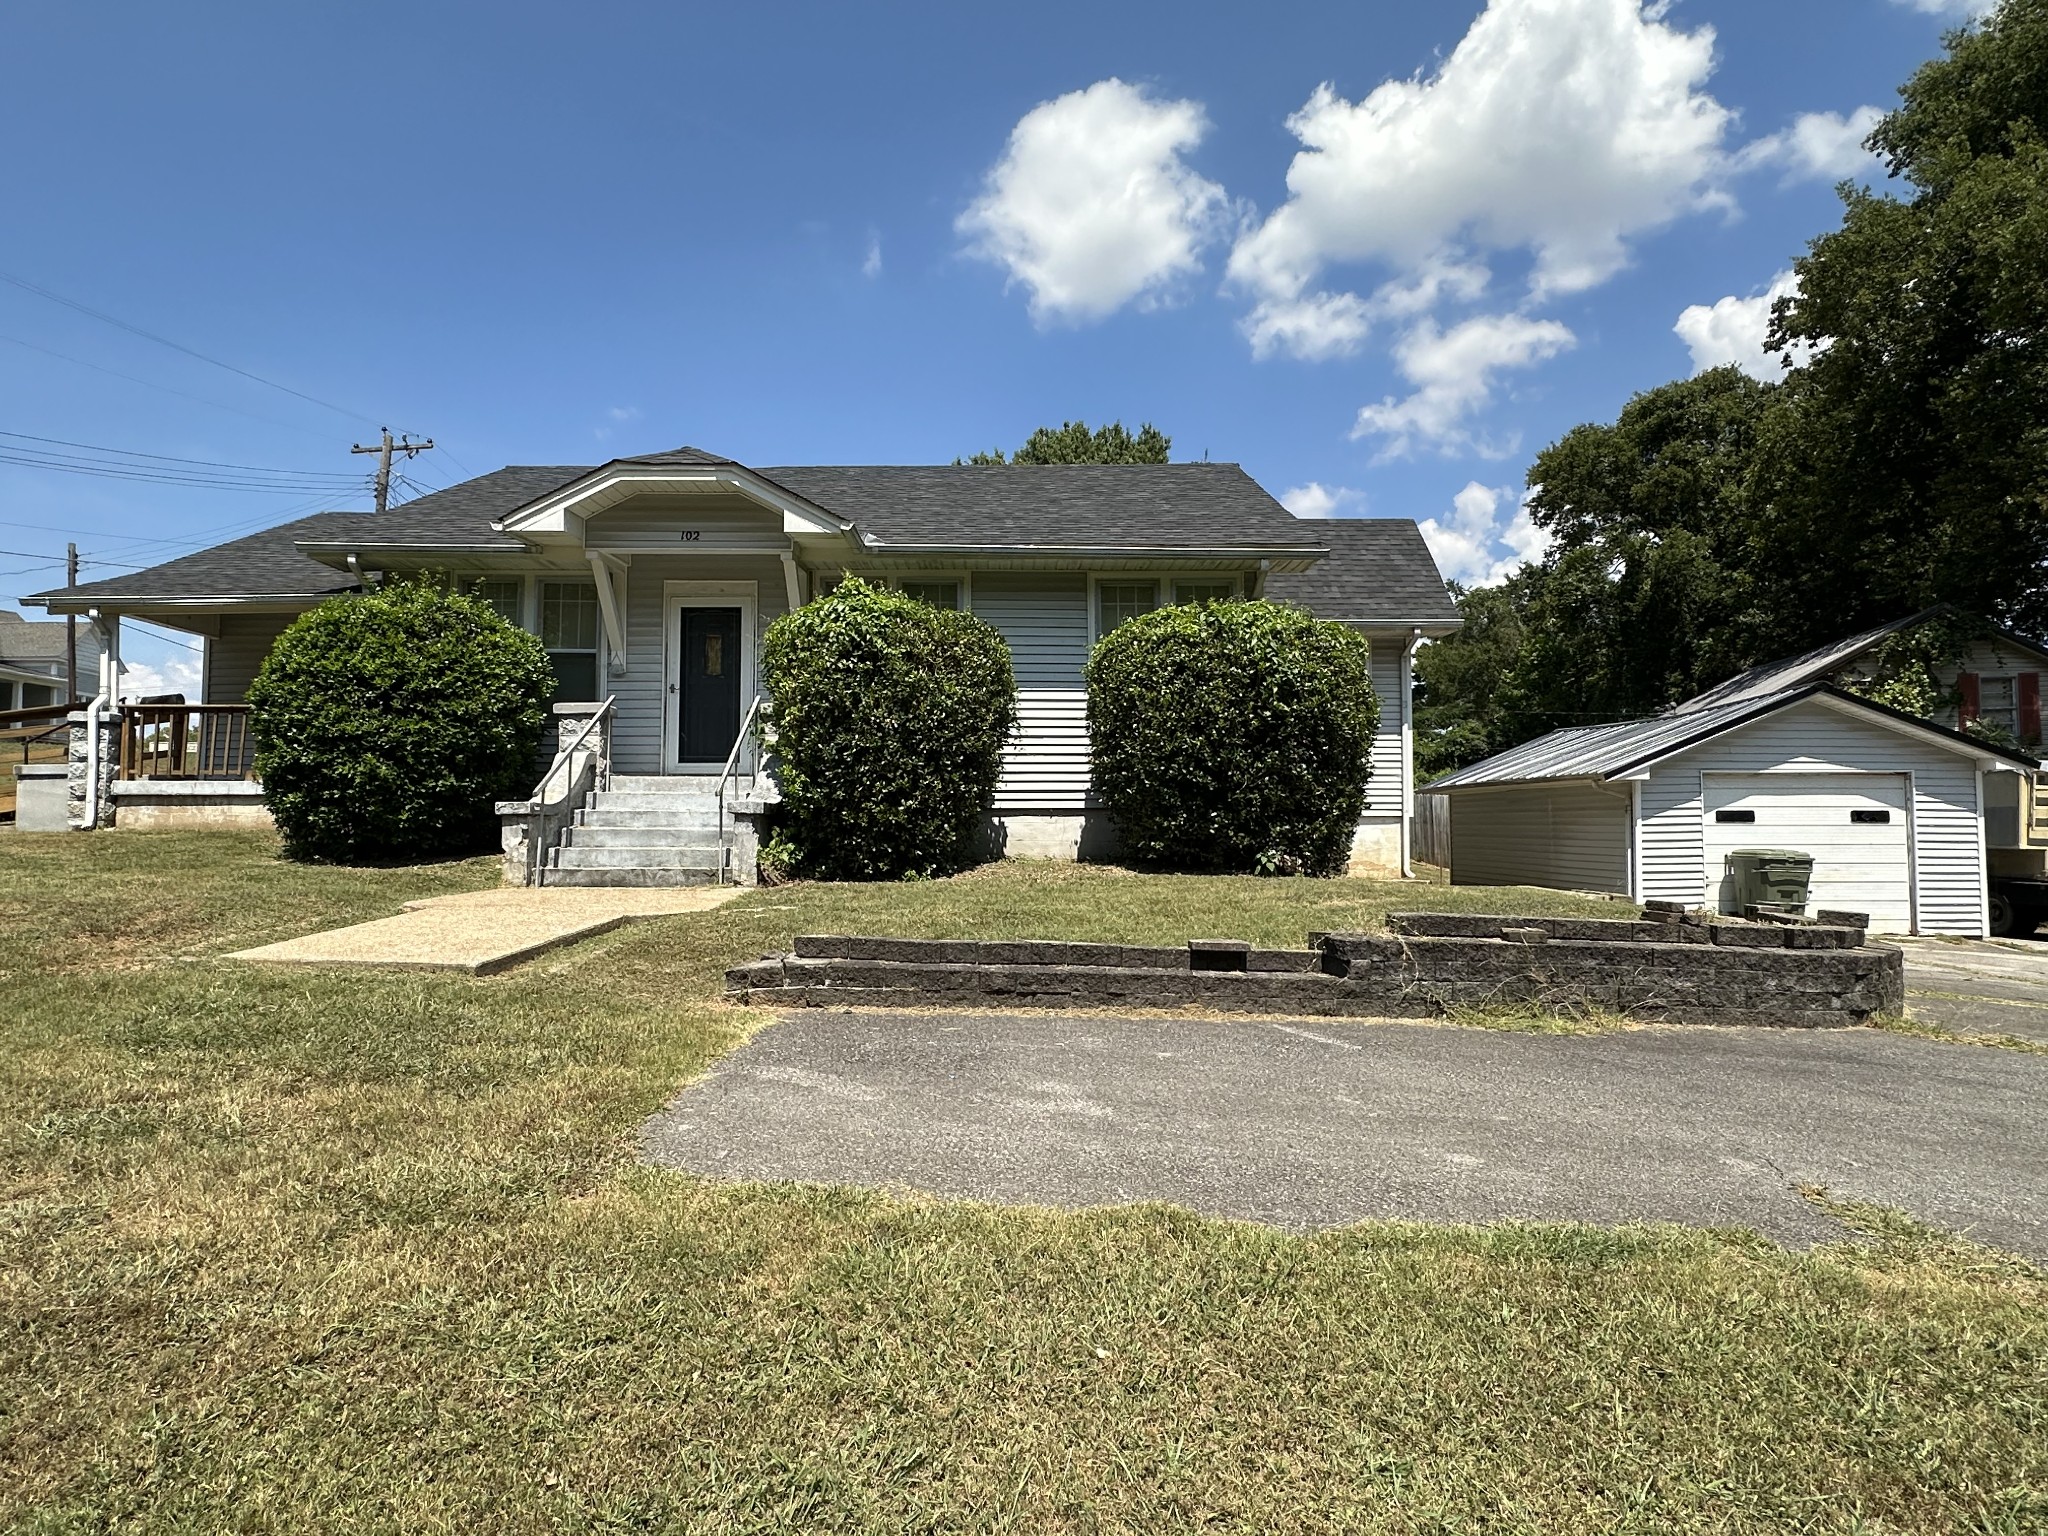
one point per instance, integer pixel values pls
(708, 716)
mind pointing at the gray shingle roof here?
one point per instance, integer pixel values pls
(1605, 751)
(1154, 506)
(266, 564)
(1379, 571)
(1386, 567)
(23, 640)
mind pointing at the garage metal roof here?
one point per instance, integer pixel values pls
(1612, 751)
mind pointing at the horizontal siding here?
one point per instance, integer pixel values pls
(1569, 837)
(237, 653)
(1812, 738)
(659, 524)
(637, 736)
(1044, 620)
(1045, 767)
(1383, 789)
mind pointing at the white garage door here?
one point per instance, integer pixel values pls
(1854, 824)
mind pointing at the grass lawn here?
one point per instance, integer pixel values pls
(291, 1251)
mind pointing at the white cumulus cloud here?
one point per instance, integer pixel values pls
(1318, 500)
(871, 264)
(1732, 330)
(1952, 7)
(1453, 373)
(141, 680)
(1559, 127)
(1478, 546)
(1819, 146)
(1093, 206)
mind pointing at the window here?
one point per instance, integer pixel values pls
(507, 594)
(1118, 602)
(568, 631)
(940, 594)
(36, 695)
(1998, 704)
(1204, 591)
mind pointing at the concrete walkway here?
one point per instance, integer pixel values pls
(1979, 986)
(483, 932)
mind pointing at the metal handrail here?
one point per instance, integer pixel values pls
(725, 774)
(568, 752)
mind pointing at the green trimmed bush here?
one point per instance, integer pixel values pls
(387, 723)
(1233, 738)
(890, 717)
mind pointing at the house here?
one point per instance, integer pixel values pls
(651, 580)
(1894, 808)
(34, 662)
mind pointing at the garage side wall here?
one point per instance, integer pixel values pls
(1571, 837)
(1812, 738)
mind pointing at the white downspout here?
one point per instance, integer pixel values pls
(1408, 753)
(110, 664)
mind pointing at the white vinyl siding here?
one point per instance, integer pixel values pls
(636, 735)
(1569, 837)
(1812, 738)
(1383, 789)
(1044, 620)
(685, 525)
(237, 653)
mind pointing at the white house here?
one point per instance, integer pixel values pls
(651, 581)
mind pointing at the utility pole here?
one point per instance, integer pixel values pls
(384, 450)
(71, 628)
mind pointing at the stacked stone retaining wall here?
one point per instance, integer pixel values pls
(1427, 964)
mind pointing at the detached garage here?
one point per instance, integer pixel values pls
(1890, 808)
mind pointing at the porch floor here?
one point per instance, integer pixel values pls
(482, 932)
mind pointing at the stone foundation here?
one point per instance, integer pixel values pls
(1427, 965)
(1376, 851)
(191, 804)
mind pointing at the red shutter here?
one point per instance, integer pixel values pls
(1966, 685)
(2030, 707)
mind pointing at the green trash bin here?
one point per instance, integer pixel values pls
(1770, 877)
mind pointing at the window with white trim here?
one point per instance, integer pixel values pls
(506, 594)
(569, 626)
(940, 594)
(1998, 703)
(1118, 602)
(1223, 591)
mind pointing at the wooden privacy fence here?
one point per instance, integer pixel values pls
(186, 741)
(1433, 829)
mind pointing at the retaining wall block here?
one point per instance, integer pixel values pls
(1738, 936)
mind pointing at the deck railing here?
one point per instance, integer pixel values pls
(186, 741)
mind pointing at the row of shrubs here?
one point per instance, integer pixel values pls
(1227, 737)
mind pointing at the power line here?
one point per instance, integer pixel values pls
(166, 458)
(65, 357)
(165, 341)
(142, 474)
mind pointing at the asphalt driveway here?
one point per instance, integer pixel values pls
(1981, 986)
(1315, 1124)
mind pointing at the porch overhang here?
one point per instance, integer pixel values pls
(622, 480)
(1092, 557)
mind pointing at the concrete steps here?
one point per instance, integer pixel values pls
(642, 831)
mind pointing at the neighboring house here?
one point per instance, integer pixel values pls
(33, 662)
(653, 579)
(1893, 808)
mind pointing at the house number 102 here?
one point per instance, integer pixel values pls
(691, 535)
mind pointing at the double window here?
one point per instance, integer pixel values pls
(506, 594)
(569, 625)
(940, 594)
(1119, 601)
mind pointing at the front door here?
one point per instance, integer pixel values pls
(708, 711)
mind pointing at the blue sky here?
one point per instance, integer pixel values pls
(1378, 253)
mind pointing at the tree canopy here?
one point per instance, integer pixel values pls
(1719, 522)
(1072, 442)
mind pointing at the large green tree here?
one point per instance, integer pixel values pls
(1903, 462)
(1073, 442)
(1907, 462)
